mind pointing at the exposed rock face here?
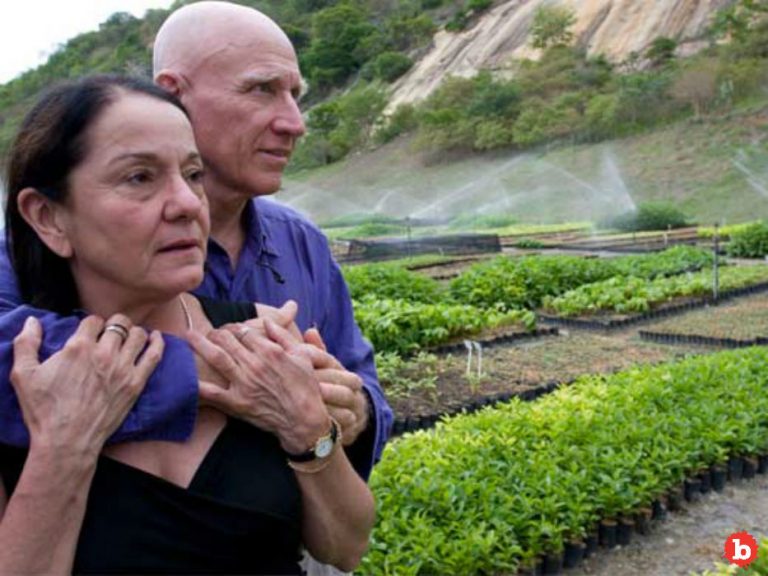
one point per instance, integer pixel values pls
(614, 28)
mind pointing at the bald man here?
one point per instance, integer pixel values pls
(237, 74)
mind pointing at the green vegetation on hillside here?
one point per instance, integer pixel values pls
(338, 42)
(570, 96)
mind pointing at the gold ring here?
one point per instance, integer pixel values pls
(242, 332)
(118, 329)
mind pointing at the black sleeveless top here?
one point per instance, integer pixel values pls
(240, 515)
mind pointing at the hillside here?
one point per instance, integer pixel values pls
(613, 28)
(716, 169)
(600, 85)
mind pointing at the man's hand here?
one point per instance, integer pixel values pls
(270, 383)
(341, 389)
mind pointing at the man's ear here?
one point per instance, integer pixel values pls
(46, 218)
(170, 82)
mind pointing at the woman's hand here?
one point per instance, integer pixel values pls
(78, 397)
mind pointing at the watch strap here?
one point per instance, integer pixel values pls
(333, 436)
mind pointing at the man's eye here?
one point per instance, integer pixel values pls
(196, 175)
(264, 88)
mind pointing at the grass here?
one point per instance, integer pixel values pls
(688, 163)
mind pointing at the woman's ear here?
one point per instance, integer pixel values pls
(46, 218)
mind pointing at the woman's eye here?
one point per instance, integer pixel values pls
(138, 177)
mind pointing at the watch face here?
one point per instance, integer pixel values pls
(324, 448)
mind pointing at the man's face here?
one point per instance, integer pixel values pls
(243, 104)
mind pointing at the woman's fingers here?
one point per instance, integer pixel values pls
(26, 348)
(116, 331)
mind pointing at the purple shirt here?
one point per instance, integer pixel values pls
(284, 257)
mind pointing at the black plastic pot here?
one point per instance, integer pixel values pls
(591, 542)
(750, 468)
(535, 570)
(692, 490)
(574, 553)
(553, 564)
(705, 478)
(719, 476)
(675, 499)
(659, 508)
(607, 533)
(624, 531)
(643, 520)
(762, 465)
(735, 468)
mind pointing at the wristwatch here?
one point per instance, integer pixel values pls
(323, 447)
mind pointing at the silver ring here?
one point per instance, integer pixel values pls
(118, 329)
(242, 332)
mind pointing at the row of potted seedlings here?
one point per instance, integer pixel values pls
(508, 487)
(701, 340)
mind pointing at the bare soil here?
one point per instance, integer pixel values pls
(521, 366)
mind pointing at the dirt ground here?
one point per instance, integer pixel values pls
(691, 540)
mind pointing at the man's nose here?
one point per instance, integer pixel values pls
(289, 119)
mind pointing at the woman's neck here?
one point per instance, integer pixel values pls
(170, 316)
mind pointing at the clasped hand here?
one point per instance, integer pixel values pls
(278, 379)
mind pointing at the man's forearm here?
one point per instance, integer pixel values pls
(165, 411)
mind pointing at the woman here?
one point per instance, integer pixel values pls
(106, 214)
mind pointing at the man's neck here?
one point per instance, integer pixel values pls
(227, 225)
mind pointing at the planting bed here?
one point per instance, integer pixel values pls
(519, 367)
(742, 319)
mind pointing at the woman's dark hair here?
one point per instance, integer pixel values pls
(50, 144)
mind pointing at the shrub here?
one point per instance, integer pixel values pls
(649, 216)
(402, 121)
(752, 242)
(389, 66)
(479, 5)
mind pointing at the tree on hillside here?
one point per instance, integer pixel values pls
(697, 86)
(661, 51)
(551, 26)
(339, 35)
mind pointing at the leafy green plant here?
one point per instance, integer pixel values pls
(401, 377)
(529, 243)
(390, 281)
(488, 492)
(751, 242)
(404, 326)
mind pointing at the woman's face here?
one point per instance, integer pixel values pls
(136, 217)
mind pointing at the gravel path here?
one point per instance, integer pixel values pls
(689, 541)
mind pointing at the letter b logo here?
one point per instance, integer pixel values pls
(740, 549)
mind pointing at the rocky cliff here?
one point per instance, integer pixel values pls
(614, 28)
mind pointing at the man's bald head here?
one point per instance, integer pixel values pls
(237, 74)
(196, 32)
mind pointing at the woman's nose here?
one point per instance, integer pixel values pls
(185, 200)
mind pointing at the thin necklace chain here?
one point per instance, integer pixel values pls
(187, 315)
